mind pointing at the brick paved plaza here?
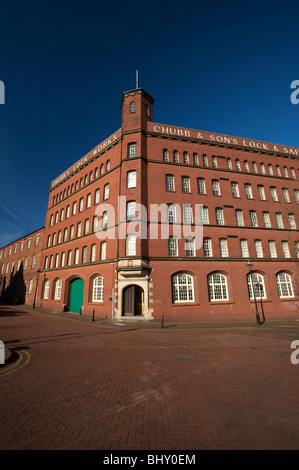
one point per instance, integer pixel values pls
(72, 383)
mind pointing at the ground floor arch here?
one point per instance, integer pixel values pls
(133, 300)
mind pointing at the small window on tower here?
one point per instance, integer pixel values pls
(132, 107)
(146, 110)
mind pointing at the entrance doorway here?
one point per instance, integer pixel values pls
(76, 295)
(133, 300)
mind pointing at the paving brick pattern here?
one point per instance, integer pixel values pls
(77, 384)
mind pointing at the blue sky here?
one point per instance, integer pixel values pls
(224, 67)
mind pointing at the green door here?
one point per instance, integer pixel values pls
(76, 295)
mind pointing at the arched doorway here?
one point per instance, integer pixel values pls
(76, 295)
(133, 298)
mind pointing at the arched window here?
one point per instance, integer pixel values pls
(256, 286)
(98, 289)
(102, 169)
(182, 286)
(165, 155)
(57, 293)
(132, 107)
(108, 165)
(46, 289)
(284, 285)
(217, 287)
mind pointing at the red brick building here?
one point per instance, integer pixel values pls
(248, 192)
(19, 268)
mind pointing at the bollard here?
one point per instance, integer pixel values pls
(92, 316)
(162, 320)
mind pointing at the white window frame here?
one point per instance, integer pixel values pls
(218, 291)
(98, 289)
(284, 285)
(182, 287)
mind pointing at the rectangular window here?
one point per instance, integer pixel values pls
(239, 217)
(106, 191)
(131, 245)
(273, 193)
(292, 221)
(238, 165)
(169, 182)
(172, 246)
(219, 216)
(205, 161)
(223, 247)
(272, 249)
(69, 258)
(97, 196)
(175, 156)
(86, 227)
(79, 227)
(81, 203)
(93, 254)
(105, 220)
(235, 190)
(195, 159)
(201, 186)
(36, 240)
(279, 220)
(258, 248)
(95, 223)
(285, 249)
(261, 192)
(74, 208)
(253, 218)
(103, 250)
(214, 162)
(229, 164)
(33, 261)
(77, 254)
(207, 247)
(204, 215)
(67, 214)
(248, 191)
(84, 254)
(171, 213)
(190, 247)
(215, 188)
(186, 158)
(286, 195)
(185, 184)
(88, 201)
(131, 210)
(188, 215)
(244, 248)
(267, 221)
(58, 289)
(132, 150)
(131, 179)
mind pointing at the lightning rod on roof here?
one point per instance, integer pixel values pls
(136, 78)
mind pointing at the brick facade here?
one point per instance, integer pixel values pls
(250, 194)
(19, 266)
